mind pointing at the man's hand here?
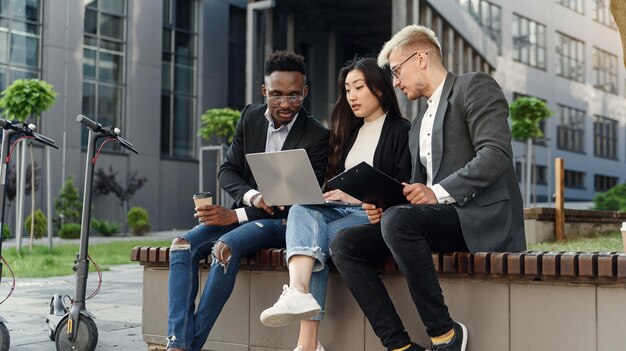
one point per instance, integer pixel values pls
(338, 195)
(258, 202)
(374, 214)
(418, 193)
(215, 215)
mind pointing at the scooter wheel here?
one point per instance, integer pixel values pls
(5, 338)
(85, 340)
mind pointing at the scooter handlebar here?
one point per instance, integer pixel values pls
(95, 126)
(125, 143)
(44, 140)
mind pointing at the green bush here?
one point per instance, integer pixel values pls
(138, 220)
(141, 227)
(70, 231)
(41, 224)
(104, 227)
(6, 232)
(613, 199)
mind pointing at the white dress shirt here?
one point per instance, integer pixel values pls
(426, 159)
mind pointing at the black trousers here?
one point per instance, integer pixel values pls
(411, 233)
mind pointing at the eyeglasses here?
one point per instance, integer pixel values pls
(396, 70)
(293, 100)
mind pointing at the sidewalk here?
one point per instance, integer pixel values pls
(117, 306)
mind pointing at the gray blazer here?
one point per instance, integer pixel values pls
(472, 160)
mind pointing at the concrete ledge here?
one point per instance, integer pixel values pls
(509, 302)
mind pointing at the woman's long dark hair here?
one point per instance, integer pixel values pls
(342, 119)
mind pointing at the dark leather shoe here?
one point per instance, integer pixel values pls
(458, 342)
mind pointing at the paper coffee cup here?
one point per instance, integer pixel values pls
(623, 230)
(201, 199)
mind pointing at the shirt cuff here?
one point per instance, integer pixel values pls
(242, 217)
(248, 195)
(443, 197)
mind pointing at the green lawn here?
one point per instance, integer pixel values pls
(43, 262)
(611, 242)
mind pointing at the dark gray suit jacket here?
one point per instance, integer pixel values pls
(472, 160)
(235, 175)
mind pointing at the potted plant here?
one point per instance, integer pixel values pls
(20, 100)
(219, 122)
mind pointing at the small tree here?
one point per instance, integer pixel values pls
(613, 199)
(219, 122)
(68, 205)
(20, 100)
(105, 183)
(526, 114)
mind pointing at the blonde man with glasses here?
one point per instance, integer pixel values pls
(463, 192)
(227, 235)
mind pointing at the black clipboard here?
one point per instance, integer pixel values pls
(370, 185)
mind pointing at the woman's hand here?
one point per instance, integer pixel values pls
(374, 214)
(338, 195)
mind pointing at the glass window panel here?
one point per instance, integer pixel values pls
(18, 74)
(4, 7)
(3, 78)
(184, 44)
(166, 72)
(90, 41)
(167, 12)
(167, 40)
(182, 129)
(4, 37)
(26, 9)
(185, 14)
(109, 105)
(89, 63)
(111, 26)
(110, 67)
(111, 45)
(113, 6)
(24, 51)
(183, 79)
(89, 99)
(91, 21)
(24, 27)
(165, 124)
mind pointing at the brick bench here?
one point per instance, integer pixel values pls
(509, 301)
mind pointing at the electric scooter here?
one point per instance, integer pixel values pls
(16, 132)
(73, 328)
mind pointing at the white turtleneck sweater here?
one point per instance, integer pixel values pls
(365, 143)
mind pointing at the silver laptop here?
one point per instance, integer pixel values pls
(285, 177)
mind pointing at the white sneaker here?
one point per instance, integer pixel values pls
(291, 306)
(319, 347)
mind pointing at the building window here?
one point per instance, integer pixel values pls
(529, 42)
(605, 70)
(237, 58)
(570, 133)
(20, 40)
(570, 58)
(178, 76)
(103, 62)
(488, 16)
(576, 5)
(604, 183)
(541, 174)
(574, 179)
(601, 13)
(605, 137)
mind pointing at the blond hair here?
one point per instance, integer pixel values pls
(412, 35)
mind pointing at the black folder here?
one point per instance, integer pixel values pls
(370, 185)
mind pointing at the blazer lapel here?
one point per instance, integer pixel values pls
(260, 131)
(437, 142)
(414, 147)
(296, 131)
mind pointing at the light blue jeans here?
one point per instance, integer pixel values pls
(310, 228)
(188, 328)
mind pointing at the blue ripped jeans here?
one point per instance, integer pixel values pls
(310, 229)
(188, 328)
